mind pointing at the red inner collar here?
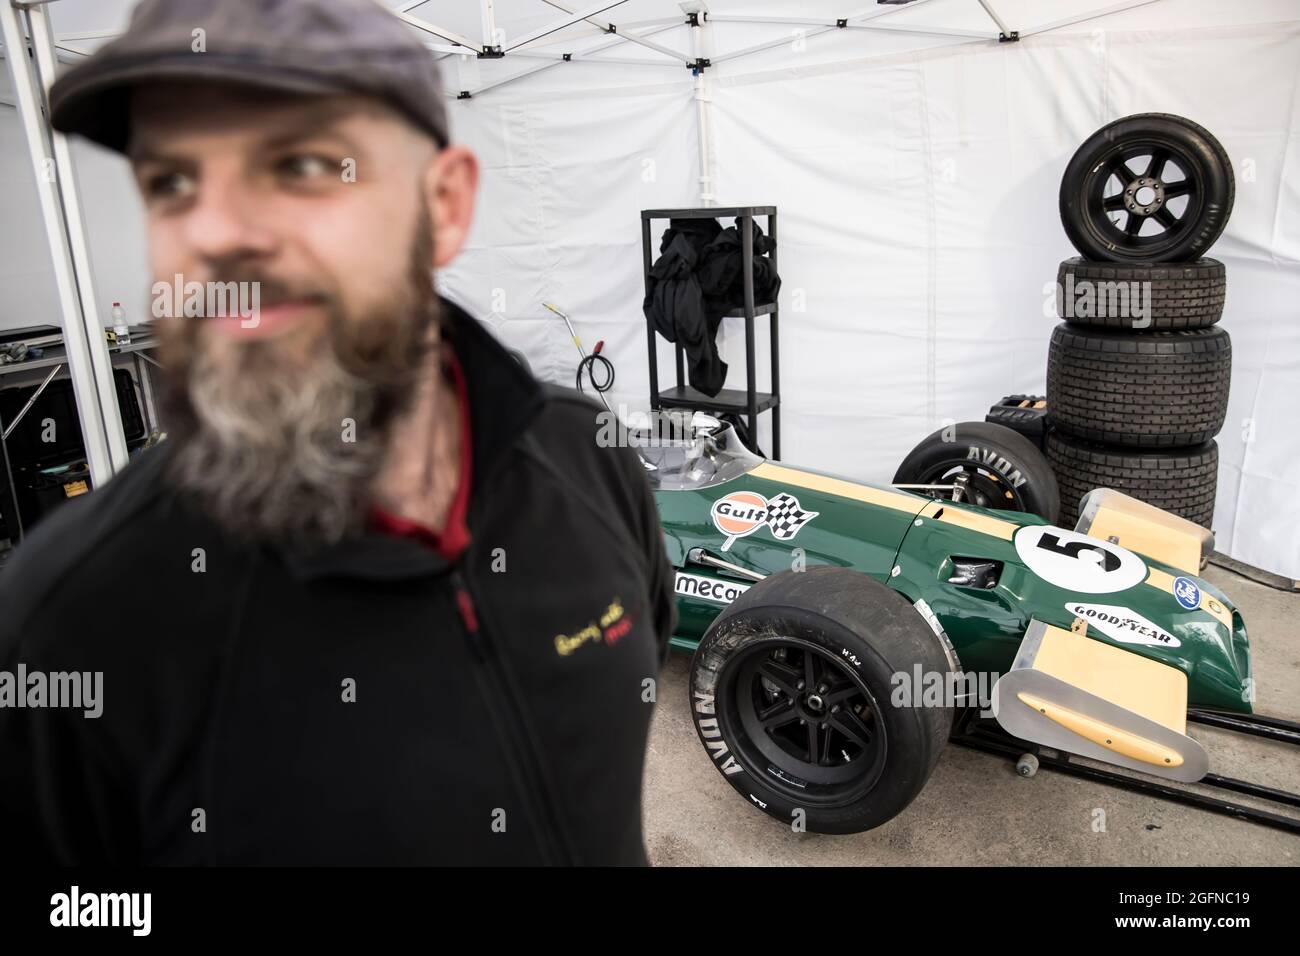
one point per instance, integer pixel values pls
(453, 539)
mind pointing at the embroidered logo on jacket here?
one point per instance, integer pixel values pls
(612, 625)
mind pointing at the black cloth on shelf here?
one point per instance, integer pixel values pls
(698, 279)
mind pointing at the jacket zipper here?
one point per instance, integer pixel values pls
(499, 697)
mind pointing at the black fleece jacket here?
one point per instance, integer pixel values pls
(366, 704)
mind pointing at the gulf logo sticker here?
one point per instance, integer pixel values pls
(744, 512)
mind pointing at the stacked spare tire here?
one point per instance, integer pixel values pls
(1139, 370)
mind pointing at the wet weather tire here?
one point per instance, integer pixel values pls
(792, 695)
(1150, 296)
(1147, 188)
(1005, 470)
(1156, 390)
(1180, 480)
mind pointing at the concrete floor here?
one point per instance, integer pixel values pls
(976, 810)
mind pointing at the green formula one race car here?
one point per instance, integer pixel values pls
(842, 632)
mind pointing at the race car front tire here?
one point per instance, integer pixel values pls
(1183, 481)
(793, 694)
(1147, 390)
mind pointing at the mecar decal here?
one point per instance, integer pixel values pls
(744, 512)
(709, 589)
(1076, 562)
(1187, 593)
(1123, 625)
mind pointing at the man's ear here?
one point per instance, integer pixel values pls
(450, 187)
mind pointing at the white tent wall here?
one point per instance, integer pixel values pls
(114, 229)
(563, 181)
(916, 179)
(920, 233)
(917, 191)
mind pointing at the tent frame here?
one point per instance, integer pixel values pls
(26, 24)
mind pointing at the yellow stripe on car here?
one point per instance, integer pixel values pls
(896, 500)
(970, 520)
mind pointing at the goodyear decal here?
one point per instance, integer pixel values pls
(1123, 624)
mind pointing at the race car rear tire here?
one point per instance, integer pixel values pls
(1006, 470)
(1149, 390)
(844, 635)
(1180, 480)
(1151, 296)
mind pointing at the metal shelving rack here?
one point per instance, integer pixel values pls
(747, 401)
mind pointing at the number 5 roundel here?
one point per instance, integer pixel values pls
(1076, 562)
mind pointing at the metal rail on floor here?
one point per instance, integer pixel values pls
(989, 738)
(1257, 725)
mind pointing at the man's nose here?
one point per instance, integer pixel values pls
(228, 222)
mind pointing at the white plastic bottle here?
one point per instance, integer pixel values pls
(120, 328)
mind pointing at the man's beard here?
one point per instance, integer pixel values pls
(288, 451)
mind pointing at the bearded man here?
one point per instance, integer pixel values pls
(380, 597)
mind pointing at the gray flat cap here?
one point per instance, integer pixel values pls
(302, 46)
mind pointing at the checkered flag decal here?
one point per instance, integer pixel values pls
(785, 517)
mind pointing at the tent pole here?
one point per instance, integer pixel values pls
(925, 30)
(631, 38)
(623, 60)
(49, 180)
(859, 17)
(437, 31)
(572, 18)
(853, 19)
(767, 45)
(703, 118)
(1070, 21)
(42, 34)
(993, 15)
(580, 55)
(489, 25)
(511, 78)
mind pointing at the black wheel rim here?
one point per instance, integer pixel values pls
(984, 487)
(1144, 196)
(803, 721)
